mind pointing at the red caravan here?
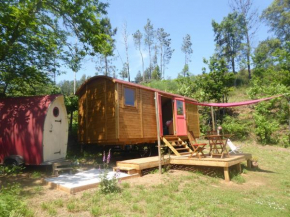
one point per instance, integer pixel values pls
(33, 129)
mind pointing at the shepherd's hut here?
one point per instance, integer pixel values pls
(33, 130)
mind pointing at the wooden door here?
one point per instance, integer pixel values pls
(180, 120)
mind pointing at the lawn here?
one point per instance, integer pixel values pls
(258, 192)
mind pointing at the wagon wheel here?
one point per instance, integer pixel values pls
(145, 150)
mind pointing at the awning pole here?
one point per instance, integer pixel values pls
(212, 119)
(158, 131)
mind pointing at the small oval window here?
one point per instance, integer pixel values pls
(55, 111)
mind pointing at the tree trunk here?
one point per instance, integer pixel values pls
(142, 65)
(234, 71)
(248, 56)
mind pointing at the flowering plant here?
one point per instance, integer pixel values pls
(108, 185)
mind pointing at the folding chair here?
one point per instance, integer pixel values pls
(233, 149)
(198, 148)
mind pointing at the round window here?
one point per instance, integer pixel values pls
(55, 111)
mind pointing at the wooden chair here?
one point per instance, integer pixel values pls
(198, 148)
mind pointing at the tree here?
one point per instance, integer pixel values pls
(124, 72)
(216, 84)
(156, 74)
(245, 7)
(165, 49)
(137, 36)
(33, 41)
(73, 58)
(105, 58)
(125, 37)
(264, 54)
(149, 41)
(185, 71)
(229, 35)
(277, 16)
(138, 77)
(186, 48)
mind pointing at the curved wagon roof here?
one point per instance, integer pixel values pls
(130, 84)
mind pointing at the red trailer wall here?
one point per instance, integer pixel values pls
(21, 127)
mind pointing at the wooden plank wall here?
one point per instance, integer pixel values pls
(192, 119)
(137, 122)
(149, 116)
(97, 112)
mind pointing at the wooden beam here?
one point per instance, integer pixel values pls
(117, 110)
(227, 174)
(106, 107)
(212, 118)
(158, 131)
(141, 113)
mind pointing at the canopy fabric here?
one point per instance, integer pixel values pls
(234, 103)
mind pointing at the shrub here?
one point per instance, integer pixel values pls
(234, 126)
(108, 185)
(265, 128)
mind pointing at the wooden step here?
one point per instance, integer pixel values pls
(184, 153)
(61, 166)
(128, 170)
(182, 149)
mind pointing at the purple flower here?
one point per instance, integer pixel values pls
(109, 157)
(104, 157)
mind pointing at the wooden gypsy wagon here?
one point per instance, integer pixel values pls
(116, 112)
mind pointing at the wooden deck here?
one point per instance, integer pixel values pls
(150, 162)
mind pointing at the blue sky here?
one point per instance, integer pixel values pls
(178, 18)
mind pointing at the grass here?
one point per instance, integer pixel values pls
(264, 191)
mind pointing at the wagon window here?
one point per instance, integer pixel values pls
(179, 105)
(55, 112)
(129, 96)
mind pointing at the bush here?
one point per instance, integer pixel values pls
(237, 128)
(265, 127)
(109, 185)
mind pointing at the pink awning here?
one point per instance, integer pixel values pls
(234, 103)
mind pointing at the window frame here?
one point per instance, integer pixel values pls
(124, 97)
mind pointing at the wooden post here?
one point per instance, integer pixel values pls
(158, 131)
(212, 119)
(227, 174)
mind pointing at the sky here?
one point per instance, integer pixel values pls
(178, 18)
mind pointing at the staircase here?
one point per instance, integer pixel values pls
(177, 146)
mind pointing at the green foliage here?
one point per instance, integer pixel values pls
(33, 43)
(108, 185)
(11, 170)
(36, 175)
(186, 48)
(71, 103)
(217, 84)
(229, 35)
(234, 126)
(277, 16)
(11, 202)
(156, 74)
(166, 85)
(265, 128)
(238, 179)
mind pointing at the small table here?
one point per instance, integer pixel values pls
(218, 145)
